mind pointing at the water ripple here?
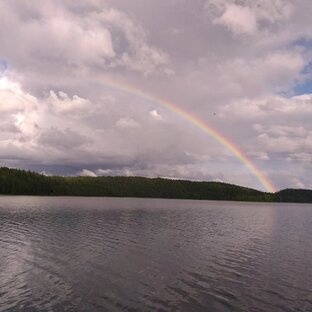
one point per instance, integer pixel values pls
(103, 254)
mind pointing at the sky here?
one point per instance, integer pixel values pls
(74, 76)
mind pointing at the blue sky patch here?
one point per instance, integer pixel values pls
(306, 86)
(3, 66)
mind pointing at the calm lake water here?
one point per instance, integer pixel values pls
(105, 254)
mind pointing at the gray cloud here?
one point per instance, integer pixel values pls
(66, 139)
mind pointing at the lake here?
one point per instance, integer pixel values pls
(121, 254)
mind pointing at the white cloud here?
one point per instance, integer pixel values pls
(105, 172)
(127, 122)
(102, 37)
(140, 56)
(277, 130)
(239, 19)
(259, 155)
(115, 172)
(13, 99)
(250, 16)
(284, 144)
(275, 72)
(87, 173)
(62, 103)
(277, 106)
(156, 115)
(18, 117)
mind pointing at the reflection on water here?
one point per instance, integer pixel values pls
(104, 254)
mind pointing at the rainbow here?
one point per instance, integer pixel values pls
(267, 184)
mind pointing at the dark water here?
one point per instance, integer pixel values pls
(93, 254)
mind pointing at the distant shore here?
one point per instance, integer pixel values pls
(21, 182)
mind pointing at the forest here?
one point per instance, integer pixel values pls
(21, 182)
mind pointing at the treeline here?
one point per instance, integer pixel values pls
(20, 182)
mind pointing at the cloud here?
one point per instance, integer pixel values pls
(102, 37)
(259, 155)
(123, 171)
(154, 113)
(239, 19)
(139, 56)
(87, 173)
(248, 16)
(300, 157)
(275, 72)
(126, 123)
(277, 130)
(63, 139)
(12, 98)
(17, 108)
(263, 107)
(62, 104)
(238, 65)
(284, 144)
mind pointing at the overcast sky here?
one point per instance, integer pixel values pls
(243, 66)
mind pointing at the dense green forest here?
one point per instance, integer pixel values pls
(20, 182)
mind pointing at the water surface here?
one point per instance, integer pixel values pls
(105, 254)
